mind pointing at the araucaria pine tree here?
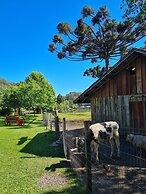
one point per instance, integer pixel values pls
(97, 38)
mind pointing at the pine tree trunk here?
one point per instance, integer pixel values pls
(107, 64)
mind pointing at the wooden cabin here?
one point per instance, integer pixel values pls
(120, 94)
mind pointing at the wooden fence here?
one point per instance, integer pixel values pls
(125, 175)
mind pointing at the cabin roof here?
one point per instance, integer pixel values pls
(121, 64)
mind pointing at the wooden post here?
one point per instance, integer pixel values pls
(66, 151)
(64, 124)
(50, 118)
(57, 125)
(64, 142)
(88, 158)
(77, 143)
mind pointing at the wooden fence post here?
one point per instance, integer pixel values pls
(64, 124)
(57, 125)
(64, 143)
(88, 157)
(50, 118)
(65, 147)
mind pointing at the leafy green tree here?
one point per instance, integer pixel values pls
(4, 84)
(97, 38)
(11, 99)
(23, 93)
(34, 92)
(39, 92)
(71, 97)
(7, 97)
(63, 106)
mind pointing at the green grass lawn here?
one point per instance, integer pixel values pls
(75, 115)
(27, 156)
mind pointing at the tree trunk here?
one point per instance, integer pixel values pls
(42, 114)
(34, 111)
(38, 110)
(19, 111)
(107, 64)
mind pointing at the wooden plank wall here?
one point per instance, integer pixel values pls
(125, 83)
(137, 114)
(111, 108)
(131, 115)
(112, 101)
(138, 66)
(143, 67)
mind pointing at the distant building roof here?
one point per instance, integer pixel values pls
(131, 55)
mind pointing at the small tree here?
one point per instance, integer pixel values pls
(60, 99)
(97, 38)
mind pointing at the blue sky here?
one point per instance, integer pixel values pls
(26, 29)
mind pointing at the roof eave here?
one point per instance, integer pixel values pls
(102, 80)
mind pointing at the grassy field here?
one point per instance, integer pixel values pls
(75, 115)
(28, 161)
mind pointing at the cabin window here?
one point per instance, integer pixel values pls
(132, 70)
(131, 80)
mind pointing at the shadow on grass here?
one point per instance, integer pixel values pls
(26, 125)
(77, 186)
(22, 140)
(41, 146)
(61, 164)
(28, 121)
